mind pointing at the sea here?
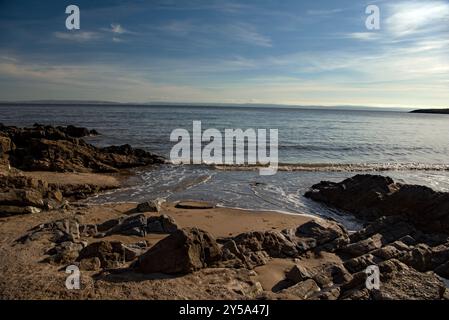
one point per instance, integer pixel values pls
(315, 144)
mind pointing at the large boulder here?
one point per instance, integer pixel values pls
(327, 235)
(184, 251)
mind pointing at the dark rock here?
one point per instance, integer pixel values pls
(60, 149)
(148, 206)
(161, 224)
(370, 197)
(184, 251)
(328, 235)
(194, 205)
(363, 246)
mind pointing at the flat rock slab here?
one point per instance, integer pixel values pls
(194, 205)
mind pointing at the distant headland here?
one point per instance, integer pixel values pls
(436, 111)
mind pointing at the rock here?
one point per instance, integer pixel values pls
(64, 230)
(148, 206)
(64, 253)
(443, 270)
(253, 249)
(304, 290)
(21, 197)
(328, 294)
(361, 247)
(370, 197)
(298, 274)
(134, 225)
(15, 210)
(90, 264)
(199, 205)
(328, 235)
(419, 258)
(399, 282)
(161, 224)
(183, 251)
(110, 253)
(61, 149)
(361, 263)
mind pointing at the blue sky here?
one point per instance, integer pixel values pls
(264, 51)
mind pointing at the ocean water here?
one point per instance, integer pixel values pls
(314, 145)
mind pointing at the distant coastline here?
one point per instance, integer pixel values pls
(432, 111)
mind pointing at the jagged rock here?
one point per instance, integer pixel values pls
(64, 230)
(361, 263)
(254, 248)
(304, 290)
(134, 225)
(138, 225)
(371, 196)
(64, 253)
(297, 274)
(363, 246)
(328, 235)
(60, 149)
(400, 282)
(184, 251)
(110, 253)
(420, 258)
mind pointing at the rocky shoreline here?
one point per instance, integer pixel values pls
(191, 250)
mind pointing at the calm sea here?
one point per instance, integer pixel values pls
(313, 145)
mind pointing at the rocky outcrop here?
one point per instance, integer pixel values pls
(137, 225)
(61, 149)
(370, 197)
(182, 252)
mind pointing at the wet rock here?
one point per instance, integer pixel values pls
(183, 251)
(199, 205)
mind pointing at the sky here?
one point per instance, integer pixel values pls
(216, 51)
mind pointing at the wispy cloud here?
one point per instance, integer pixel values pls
(79, 36)
(417, 17)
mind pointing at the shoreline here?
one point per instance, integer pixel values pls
(197, 250)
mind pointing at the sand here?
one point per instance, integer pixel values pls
(24, 276)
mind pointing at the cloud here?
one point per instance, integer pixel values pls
(363, 36)
(324, 12)
(117, 28)
(78, 36)
(417, 17)
(248, 34)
